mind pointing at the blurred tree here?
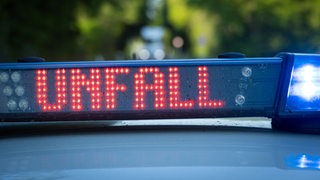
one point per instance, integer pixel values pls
(89, 29)
(263, 28)
(106, 33)
(46, 28)
(195, 26)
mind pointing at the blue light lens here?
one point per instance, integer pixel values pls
(303, 161)
(304, 87)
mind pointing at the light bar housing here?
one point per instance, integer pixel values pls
(139, 89)
(285, 88)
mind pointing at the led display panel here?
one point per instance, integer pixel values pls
(138, 89)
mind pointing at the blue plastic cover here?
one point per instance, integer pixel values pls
(304, 86)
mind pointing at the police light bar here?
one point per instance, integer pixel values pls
(285, 88)
(138, 89)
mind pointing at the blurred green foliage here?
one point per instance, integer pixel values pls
(63, 30)
(89, 29)
(264, 27)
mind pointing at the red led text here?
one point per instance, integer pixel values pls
(112, 86)
(103, 88)
(42, 90)
(91, 84)
(141, 87)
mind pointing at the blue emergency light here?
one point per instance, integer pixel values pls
(285, 88)
(303, 161)
(304, 87)
(298, 106)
